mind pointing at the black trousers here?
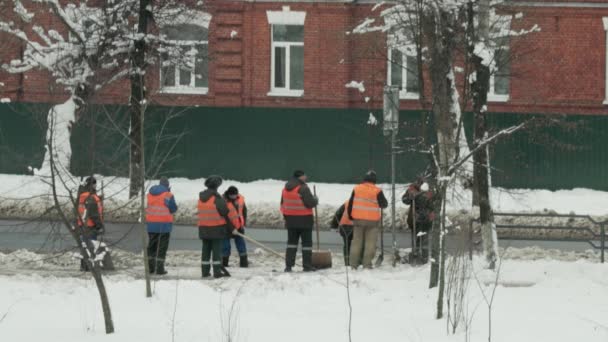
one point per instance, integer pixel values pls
(347, 239)
(212, 249)
(158, 245)
(293, 237)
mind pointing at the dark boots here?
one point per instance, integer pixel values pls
(225, 261)
(160, 267)
(243, 262)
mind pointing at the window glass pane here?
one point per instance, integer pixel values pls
(186, 32)
(167, 72)
(396, 69)
(185, 76)
(201, 67)
(288, 33)
(412, 74)
(279, 67)
(296, 68)
(502, 73)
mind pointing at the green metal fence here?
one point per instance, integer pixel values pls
(331, 145)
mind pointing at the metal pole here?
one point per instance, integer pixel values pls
(471, 239)
(603, 239)
(393, 210)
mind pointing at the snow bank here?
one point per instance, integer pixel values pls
(563, 301)
(28, 197)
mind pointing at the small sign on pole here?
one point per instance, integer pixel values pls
(391, 110)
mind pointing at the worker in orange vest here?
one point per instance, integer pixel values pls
(343, 223)
(90, 214)
(297, 203)
(213, 227)
(159, 218)
(237, 213)
(364, 209)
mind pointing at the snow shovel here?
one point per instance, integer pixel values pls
(259, 244)
(381, 256)
(320, 259)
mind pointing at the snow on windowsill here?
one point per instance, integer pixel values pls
(605, 102)
(184, 90)
(498, 98)
(409, 96)
(286, 93)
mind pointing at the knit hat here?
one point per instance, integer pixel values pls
(90, 183)
(232, 190)
(298, 173)
(370, 176)
(164, 181)
(213, 182)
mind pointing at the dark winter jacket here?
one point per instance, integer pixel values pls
(382, 202)
(218, 232)
(335, 222)
(310, 201)
(162, 227)
(424, 207)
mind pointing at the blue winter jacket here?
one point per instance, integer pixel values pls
(159, 227)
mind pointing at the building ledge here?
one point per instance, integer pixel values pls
(286, 93)
(184, 90)
(498, 98)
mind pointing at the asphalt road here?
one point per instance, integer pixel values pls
(47, 236)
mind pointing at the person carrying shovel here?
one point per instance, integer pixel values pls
(364, 209)
(297, 203)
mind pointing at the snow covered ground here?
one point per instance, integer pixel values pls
(28, 196)
(536, 300)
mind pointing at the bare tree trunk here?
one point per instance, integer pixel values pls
(137, 170)
(480, 88)
(86, 247)
(442, 259)
(441, 46)
(138, 96)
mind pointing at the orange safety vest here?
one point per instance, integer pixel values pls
(236, 214)
(208, 216)
(345, 220)
(157, 211)
(292, 204)
(365, 202)
(82, 208)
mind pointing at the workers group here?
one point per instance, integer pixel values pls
(222, 218)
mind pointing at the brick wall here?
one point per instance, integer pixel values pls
(558, 70)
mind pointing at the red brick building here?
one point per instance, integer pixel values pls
(310, 55)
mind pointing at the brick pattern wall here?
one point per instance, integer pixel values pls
(561, 69)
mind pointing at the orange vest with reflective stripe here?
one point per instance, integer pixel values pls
(208, 216)
(157, 211)
(345, 220)
(365, 202)
(82, 208)
(292, 204)
(236, 214)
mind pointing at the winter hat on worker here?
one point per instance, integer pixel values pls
(370, 176)
(90, 182)
(424, 187)
(213, 182)
(232, 190)
(164, 182)
(298, 173)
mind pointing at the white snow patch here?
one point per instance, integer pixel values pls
(5, 100)
(356, 85)
(372, 121)
(233, 34)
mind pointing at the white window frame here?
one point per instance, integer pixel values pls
(284, 17)
(201, 19)
(605, 20)
(503, 24)
(403, 93)
(185, 89)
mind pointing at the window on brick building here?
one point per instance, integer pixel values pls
(403, 71)
(500, 79)
(287, 60)
(184, 60)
